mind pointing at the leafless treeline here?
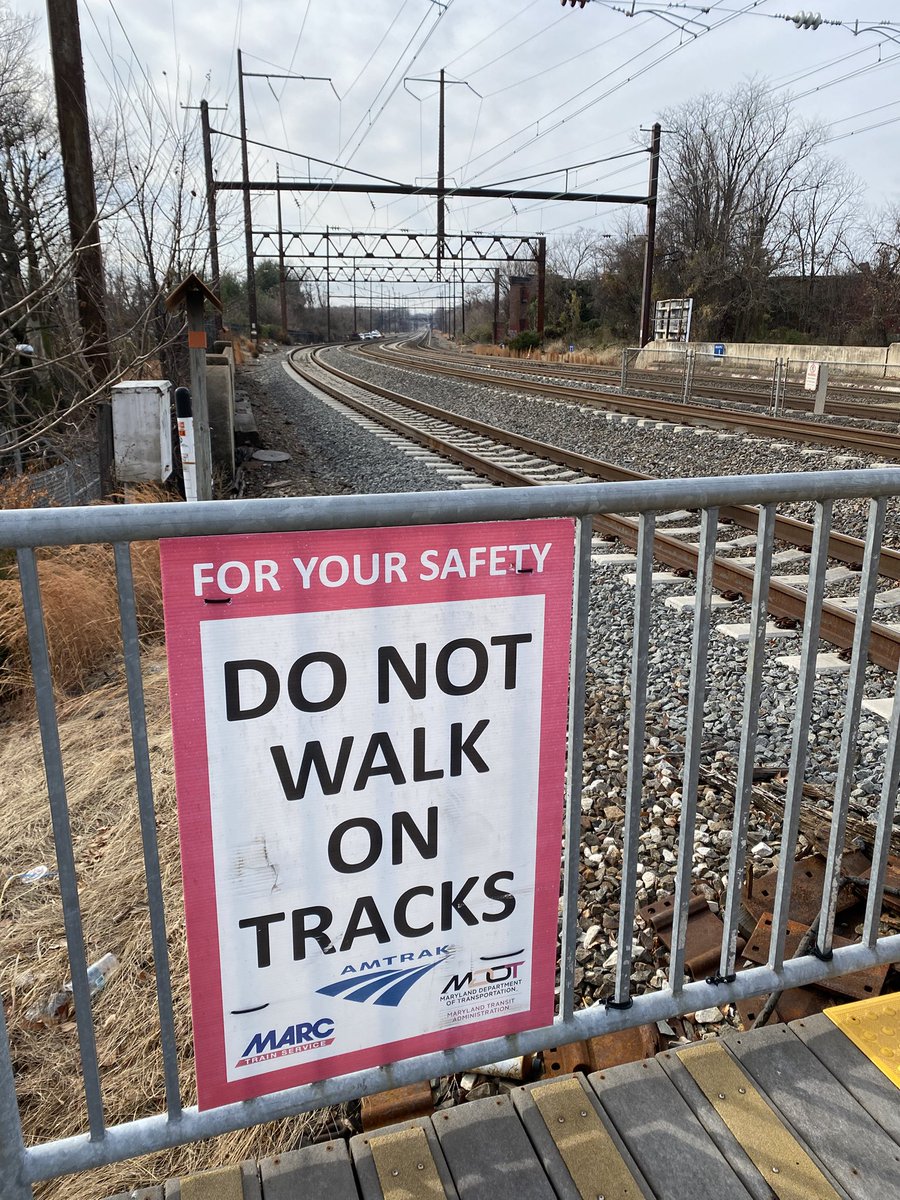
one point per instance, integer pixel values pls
(153, 232)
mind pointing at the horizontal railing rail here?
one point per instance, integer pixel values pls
(26, 530)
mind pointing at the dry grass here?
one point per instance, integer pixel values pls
(609, 357)
(95, 735)
(20, 491)
(79, 598)
(81, 617)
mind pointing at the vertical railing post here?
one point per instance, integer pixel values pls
(577, 668)
(14, 1183)
(692, 745)
(640, 665)
(800, 735)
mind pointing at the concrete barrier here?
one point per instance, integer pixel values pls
(880, 362)
(220, 401)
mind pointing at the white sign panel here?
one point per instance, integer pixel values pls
(812, 377)
(370, 750)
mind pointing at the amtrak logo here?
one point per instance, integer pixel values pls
(385, 987)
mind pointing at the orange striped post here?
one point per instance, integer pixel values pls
(193, 293)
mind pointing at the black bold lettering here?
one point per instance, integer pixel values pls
(451, 903)
(460, 746)
(335, 851)
(507, 901)
(379, 742)
(338, 681)
(420, 772)
(510, 658)
(233, 710)
(322, 917)
(313, 757)
(401, 915)
(427, 846)
(389, 657)
(365, 906)
(261, 925)
(442, 667)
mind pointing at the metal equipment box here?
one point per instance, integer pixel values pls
(142, 430)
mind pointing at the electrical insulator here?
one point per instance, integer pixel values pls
(807, 20)
(572, 3)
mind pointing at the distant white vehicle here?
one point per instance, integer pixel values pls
(372, 336)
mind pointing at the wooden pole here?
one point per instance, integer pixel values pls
(81, 200)
(542, 285)
(647, 285)
(197, 356)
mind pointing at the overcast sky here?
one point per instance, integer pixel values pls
(542, 88)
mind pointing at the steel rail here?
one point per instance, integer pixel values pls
(837, 623)
(755, 391)
(867, 441)
(841, 547)
(650, 380)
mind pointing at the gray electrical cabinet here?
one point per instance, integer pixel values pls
(142, 430)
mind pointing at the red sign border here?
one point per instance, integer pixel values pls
(184, 613)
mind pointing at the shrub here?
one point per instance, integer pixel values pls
(528, 339)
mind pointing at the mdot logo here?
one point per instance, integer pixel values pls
(295, 1039)
(507, 973)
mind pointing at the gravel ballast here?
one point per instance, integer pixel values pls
(339, 455)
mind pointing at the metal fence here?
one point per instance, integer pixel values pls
(21, 1166)
(687, 365)
(74, 481)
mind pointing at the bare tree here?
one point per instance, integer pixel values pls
(733, 167)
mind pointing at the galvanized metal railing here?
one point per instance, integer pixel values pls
(21, 1166)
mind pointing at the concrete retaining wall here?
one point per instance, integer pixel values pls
(873, 361)
(220, 401)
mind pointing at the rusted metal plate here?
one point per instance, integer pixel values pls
(566, 1060)
(796, 1004)
(703, 942)
(399, 1104)
(602, 1053)
(628, 1045)
(806, 887)
(861, 985)
(891, 879)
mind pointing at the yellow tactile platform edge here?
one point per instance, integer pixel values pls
(874, 1026)
(226, 1183)
(774, 1151)
(405, 1166)
(589, 1153)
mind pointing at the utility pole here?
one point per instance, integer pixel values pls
(496, 337)
(81, 199)
(252, 312)
(282, 284)
(354, 330)
(542, 285)
(440, 179)
(206, 133)
(462, 285)
(327, 283)
(647, 287)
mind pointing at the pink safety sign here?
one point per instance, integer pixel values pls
(370, 744)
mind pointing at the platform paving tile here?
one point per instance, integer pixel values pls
(834, 1126)
(782, 1113)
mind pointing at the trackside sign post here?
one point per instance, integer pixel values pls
(369, 733)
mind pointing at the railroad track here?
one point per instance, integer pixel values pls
(884, 443)
(870, 404)
(509, 459)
